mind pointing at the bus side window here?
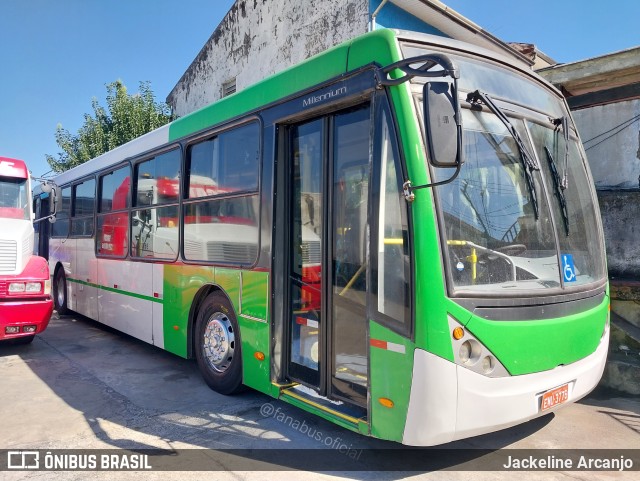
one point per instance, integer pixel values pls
(83, 205)
(220, 212)
(61, 226)
(112, 232)
(155, 224)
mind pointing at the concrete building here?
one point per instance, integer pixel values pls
(539, 59)
(258, 38)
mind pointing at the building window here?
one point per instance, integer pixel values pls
(229, 87)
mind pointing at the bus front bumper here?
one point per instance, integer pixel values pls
(449, 402)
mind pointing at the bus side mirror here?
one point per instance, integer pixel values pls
(52, 192)
(442, 123)
(55, 199)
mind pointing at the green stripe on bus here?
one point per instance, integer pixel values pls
(118, 291)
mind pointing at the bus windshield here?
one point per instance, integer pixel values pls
(510, 225)
(493, 237)
(14, 203)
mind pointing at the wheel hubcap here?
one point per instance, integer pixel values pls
(219, 342)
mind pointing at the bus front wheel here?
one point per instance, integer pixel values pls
(218, 350)
(60, 292)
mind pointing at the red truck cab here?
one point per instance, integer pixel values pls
(25, 286)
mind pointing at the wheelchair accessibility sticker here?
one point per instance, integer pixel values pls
(568, 269)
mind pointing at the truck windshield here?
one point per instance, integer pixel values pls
(14, 202)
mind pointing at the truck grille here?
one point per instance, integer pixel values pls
(8, 254)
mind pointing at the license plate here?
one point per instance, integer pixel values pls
(554, 397)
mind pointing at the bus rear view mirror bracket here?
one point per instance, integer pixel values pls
(443, 131)
(441, 108)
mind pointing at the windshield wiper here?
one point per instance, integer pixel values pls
(529, 162)
(559, 190)
(564, 121)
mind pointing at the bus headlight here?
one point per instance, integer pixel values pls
(465, 352)
(470, 353)
(488, 363)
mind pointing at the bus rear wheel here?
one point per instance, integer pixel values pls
(60, 292)
(218, 350)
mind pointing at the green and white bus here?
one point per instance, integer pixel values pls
(400, 235)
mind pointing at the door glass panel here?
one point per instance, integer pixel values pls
(391, 281)
(349, 253)
(306, 251)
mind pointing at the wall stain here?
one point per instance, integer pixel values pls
(259, 38)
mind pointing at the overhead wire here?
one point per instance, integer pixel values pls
(618, 128)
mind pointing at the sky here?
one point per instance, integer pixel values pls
(56, 56)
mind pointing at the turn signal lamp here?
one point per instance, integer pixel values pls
(386, 402)
(259, 355)
(458, 333)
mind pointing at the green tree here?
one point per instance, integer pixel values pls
(126, 117)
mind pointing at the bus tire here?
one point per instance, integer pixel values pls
(217, 343)
(60, 292)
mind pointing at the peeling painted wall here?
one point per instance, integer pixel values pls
(258, 38)
(621, 232)
(613, 151)
(614, 158)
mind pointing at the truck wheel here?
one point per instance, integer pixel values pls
(218, 349)
(60, 292)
